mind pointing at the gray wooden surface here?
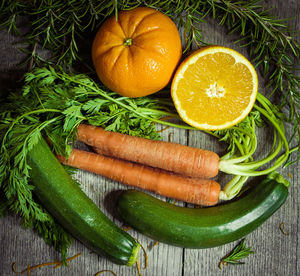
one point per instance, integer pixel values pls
(276, 253)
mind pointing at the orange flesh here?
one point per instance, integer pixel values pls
(228, 89)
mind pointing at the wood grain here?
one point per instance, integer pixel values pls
(276, 253)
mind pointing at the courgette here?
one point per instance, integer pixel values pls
(203, 227)
(75, 211)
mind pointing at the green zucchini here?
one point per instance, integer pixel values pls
(75, 211)
(203, 227)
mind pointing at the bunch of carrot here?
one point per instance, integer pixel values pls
(165, 168)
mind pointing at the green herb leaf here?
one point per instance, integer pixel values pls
(235, 256)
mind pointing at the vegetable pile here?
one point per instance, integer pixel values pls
(60, 106)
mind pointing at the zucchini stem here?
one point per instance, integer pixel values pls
(134, 256)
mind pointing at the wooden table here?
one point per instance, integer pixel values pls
(275, 253)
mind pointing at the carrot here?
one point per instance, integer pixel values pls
(173, 157)
(192, 190)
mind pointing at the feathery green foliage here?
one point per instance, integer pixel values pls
(235, 256)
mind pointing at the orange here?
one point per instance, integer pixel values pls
(214, 88)
(137, 54)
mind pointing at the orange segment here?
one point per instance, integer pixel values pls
(214, 88)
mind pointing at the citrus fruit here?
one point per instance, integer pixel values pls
(214, 88)
(137, 54)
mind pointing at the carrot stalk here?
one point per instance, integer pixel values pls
(192, 190)
(173, 157)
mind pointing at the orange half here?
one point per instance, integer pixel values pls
(214, 88)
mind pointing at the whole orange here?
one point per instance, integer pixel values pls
(136, 54)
